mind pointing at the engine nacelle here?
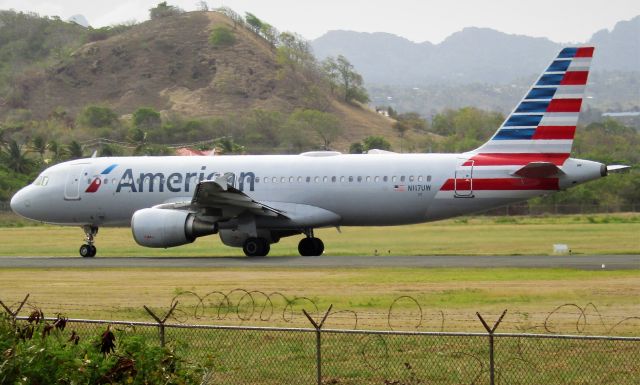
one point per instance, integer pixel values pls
(168, 228)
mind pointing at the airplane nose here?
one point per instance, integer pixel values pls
(20, 203)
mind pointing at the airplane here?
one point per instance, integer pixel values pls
(252, 201)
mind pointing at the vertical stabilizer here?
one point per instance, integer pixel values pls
(542, 126)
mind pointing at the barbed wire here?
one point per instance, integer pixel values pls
(404, 312)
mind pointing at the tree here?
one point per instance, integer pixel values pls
(39, 145)
(74, 150)
(254, 23)
(146, 118)
(164, 10)
(56, 151)
(15, 158)
(325, 125)
(294, 51)
(343, 76)
(97, 117)
(408, 121)
(376, 142)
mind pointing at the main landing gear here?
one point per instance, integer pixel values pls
(310, 246)
(88, 250)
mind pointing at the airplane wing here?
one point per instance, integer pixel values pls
(218, 198)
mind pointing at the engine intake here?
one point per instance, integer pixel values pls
(168, 228)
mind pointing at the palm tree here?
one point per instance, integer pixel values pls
(39, 145)
(75, 150)
(56, 151)
(17, 159)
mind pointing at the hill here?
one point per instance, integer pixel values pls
(170, 64)
(471, 55)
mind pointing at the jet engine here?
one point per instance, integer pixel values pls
(168, 228)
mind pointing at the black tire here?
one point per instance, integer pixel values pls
(318, 246)
(85, 251)
(310, 247)
(256, 247)
(93, 251)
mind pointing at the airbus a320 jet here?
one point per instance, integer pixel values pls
(254, 201)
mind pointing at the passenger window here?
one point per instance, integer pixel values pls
(419, 178)
(257, 180)
(385, 178)
(291, 179)
(428, 178)
(368, 179)
(342, 179)
(359, 179)
(325, 179)
(283, 180)
(266, 179)
(333, 179)
(106, 181)
(308, 179)
(394, 178)
(377, 179)
(299, 179)
(402, 178)
(350, 179)
(411, 178)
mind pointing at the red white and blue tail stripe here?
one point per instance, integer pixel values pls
(542, 126)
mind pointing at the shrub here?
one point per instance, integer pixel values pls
(97, 116)
(222, 36)
(46, 352)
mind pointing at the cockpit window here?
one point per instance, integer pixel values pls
(41, 181)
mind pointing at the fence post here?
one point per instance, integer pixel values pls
(14, 314)
(492, 371)
(161, 321)
(318, 328)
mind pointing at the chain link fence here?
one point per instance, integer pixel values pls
(270, 355)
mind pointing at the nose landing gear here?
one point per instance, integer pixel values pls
(88, 250)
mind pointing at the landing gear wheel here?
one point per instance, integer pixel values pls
(87, 251)
(310, 247)
(256, 247)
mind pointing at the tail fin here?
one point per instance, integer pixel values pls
(542, 126)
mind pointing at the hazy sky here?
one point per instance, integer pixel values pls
(559, 20)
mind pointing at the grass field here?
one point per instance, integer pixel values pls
(433, 299)
(593, 234)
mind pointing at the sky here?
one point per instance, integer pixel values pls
(563, 21)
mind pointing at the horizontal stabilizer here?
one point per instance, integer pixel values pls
(617, 168)
(538, 170)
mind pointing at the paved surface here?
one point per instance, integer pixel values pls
(583, 262)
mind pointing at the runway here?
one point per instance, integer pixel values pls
(582, 262)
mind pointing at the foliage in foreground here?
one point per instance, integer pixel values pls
(42, 352)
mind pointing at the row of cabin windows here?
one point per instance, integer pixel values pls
(343, 179)
(316, 179)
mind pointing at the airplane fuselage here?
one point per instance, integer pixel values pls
(362, 190)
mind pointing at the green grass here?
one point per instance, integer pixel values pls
(592, 234)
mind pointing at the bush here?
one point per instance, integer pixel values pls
(45, 353)
(97, 116)
(222, 36)
(146, 118)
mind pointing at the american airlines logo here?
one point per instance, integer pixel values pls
(177, 182)
(97, 181)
